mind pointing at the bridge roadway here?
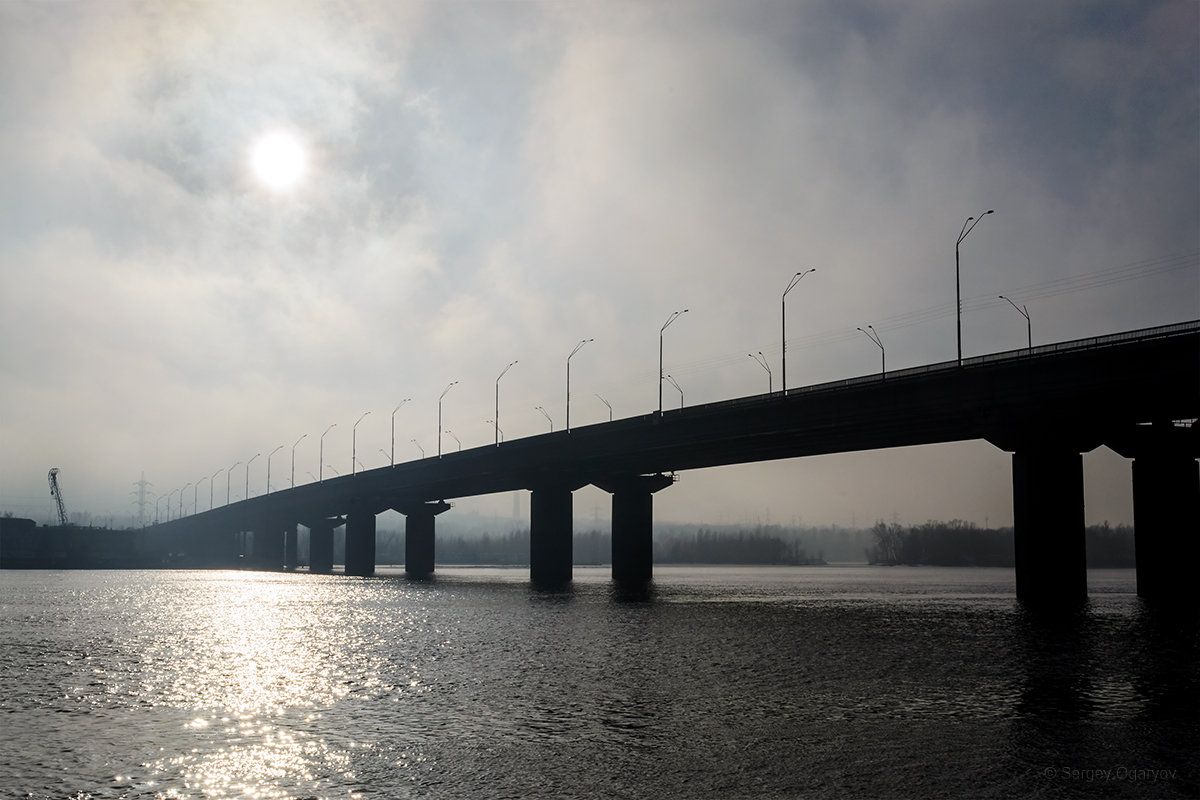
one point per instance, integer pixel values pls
(1137, 392)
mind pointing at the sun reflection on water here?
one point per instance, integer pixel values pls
(258, 660)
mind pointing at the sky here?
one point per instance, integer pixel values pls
(465, 184)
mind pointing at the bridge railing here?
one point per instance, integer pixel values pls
(1041, 351)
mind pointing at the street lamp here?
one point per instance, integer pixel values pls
(602, 400)
(392, 457)
(196, 495)
(273, 452)
(783, 321)
(298, 441)
(321, 455)
(210, 488)
(234, 464)
(963, 234)
(873, 335)
(443, 394)
(762, 362)
(173, 491)
(248, 463)
(156, 502)
(547, 416)
(455, 438)
(354, 441)
(418, 444)
(1024, 312)
(189, 483)
(496, 421)
(675, 383)
(499, 433)
(674, 316)
(578, 347)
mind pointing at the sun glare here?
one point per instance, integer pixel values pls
(278, 161)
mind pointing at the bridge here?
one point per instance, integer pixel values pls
(1136, 392)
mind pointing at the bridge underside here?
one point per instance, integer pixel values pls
(1046, 406)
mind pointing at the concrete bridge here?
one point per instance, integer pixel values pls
(1137, 392)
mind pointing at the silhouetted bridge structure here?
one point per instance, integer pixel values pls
(1137, 392)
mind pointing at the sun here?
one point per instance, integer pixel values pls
(279, 161)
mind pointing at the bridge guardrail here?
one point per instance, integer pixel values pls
(1143, 334)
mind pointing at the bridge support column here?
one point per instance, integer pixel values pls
(1048, 527)
(550, 536)
(360, 543)
(1166, 508)
(633, 525)
(320, 546)
(291, 547)
(268, 546)
(418, 537)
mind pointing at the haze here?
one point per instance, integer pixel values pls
(478, 183)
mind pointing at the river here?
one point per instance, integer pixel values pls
(790, 682)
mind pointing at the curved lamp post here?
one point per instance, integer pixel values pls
(273, 452)
(546, 414)
(675, 383)
(196, 495)
(496, 421)
(227, 473)
(578, 347)
(762, 362)
(186, 485)
(783, 321)
(354, 441)
(674, 316)
(443, 394)
(499, 433)
(874, 337)
(173, 491)
(602, 400)
(455, 438)
(248, 463)
(963, 234)
(392, 457)
(1024, 312)
(210, 488)
(298, 441)
(321, 455)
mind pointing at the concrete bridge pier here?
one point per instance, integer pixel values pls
(1166, 508)
(291, 547)
(418, 536)
(1048, 524)
(320, 545)
(550, 536)
(268, 544)
(633, 525)
(360, 543)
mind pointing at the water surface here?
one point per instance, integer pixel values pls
(719, 682)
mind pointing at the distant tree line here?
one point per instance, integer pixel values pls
(964, 544)
(593, 547)
(741, 547)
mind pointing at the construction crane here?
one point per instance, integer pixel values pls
(56, 493)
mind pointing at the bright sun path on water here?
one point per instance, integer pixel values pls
(279, 161)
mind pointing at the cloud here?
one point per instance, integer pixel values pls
(492, 183)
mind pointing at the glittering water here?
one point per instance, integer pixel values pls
(729, 683)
